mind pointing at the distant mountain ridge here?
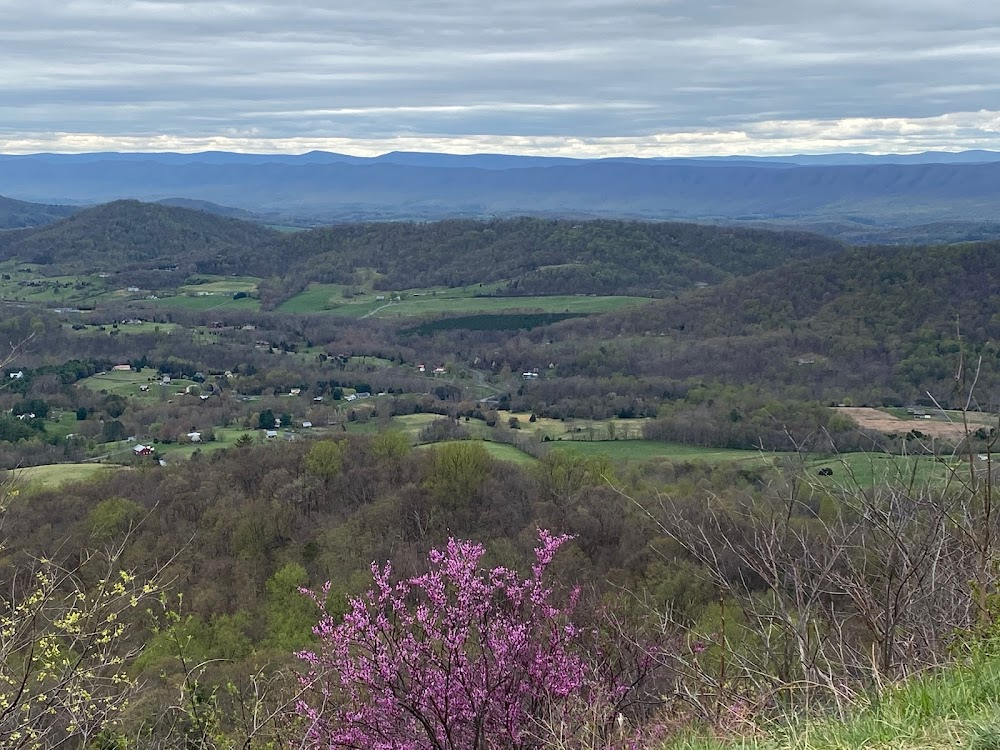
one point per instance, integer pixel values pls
(881, 191)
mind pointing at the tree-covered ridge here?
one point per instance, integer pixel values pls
(15, 214)
(530, 256)
(124, 233)
(551, 256)
(884, 322)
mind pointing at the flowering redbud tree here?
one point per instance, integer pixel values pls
(460, 658)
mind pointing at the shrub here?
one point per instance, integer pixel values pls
(460, 657)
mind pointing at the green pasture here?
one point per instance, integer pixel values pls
(59, 291)
(122, 328)
(53, 475)
(861, 470)
(557, 304)
(208, 302)
(220, 285)
(225, 437)
(648, 450)
(316, 298)
(129, 383)
(499, 451)
(416, 302)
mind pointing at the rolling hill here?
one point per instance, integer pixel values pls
(129, 233)
(16, 214)
(885, 322)
(518, 256)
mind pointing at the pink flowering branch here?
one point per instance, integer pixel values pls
(458, 658)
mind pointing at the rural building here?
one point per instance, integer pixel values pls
(143, 450)
(271, 434)
(294, 391)
(194, 437)
(17, 375)
(307, 425)
(122, 368)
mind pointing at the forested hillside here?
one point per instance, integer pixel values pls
(550, 256)
(885, 322)
(523, 256)
(126, 233)
(16, 214)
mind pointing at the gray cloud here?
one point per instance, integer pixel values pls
(631, 76)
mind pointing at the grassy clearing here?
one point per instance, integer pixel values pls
(129, 383)
(955, 708)
(208, 302)
(225, 437)
(317, 298)
(122, 328)
(220, 285)
(648, 450)
(560, 304)
(851, 470)
(499, 451)
(53, 475)
(417, 302)
(24, 285)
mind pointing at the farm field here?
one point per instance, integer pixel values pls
(499, 451)
(557, 304)
(122, 328)
(860, 470)
(416, 302)
(646, 450)
(129, 383)
(946, 425)
(220, 285)
(53, 475)
(208, 302)
(61, 291)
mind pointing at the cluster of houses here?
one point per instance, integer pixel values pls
(436, 371)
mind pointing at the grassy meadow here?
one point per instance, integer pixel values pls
(53, 475)
(209, 302)
(331, 298)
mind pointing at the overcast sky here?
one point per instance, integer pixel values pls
(568, 77)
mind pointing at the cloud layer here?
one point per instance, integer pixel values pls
(573, 77)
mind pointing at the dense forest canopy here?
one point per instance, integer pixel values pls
(524, 256)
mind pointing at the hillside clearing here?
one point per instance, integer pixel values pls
(948, 427)
(53, 475)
